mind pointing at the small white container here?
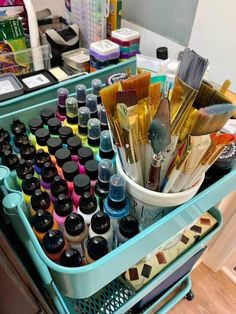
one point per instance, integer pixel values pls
(125, 34)
(88, 206)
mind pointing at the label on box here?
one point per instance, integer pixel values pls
(6, 87)
(35, 80)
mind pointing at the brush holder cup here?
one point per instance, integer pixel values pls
(149, 206)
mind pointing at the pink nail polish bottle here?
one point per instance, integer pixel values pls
(84, 154)
(81, 185)
(62, 156)
(54, 244)
(91, 169)
(63, 207)
(74, 143)
(70, 170)
(58, 186)
(54, 143)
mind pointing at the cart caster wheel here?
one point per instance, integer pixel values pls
(190, 295)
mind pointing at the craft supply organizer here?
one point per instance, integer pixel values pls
(96, 288)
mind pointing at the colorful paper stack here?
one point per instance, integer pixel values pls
(103, 53)
(128, 40)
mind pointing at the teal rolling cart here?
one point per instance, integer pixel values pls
(97, 288)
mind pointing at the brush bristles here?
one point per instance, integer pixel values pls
(108, 96)
(128, 98)
(139, 83)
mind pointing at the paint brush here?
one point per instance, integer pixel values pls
(154, 97)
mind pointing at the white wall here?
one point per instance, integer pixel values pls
(213, 36)
(56, 6)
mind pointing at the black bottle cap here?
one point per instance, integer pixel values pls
(58, 186)
(42, 135)
(100, 222)
(54, 125)
(4, 146)
(162, 53)
(65, 132)
(9, 160)
(53, 241)
(91, 169)
(74, 143)
(81, 184)
(88, 203)
(74, 224)
(71, 258)
(30, 184)
(4, 135)
(70, 170)
(40, 200)
(23, 168)
(85, 154)
(49, 171)
(46, 114)
(129, 226)
(97, 247)
(63, 205)
(42, 221)
(62, 155)
(41, 157)
(27, 151)
(18, 127)
(54, 143)
(35, 124)
(19, 139)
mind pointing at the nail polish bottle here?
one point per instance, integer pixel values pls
(42, 222)
(62, 156)
(40, 159)
(62, 95)
(94, 133)
(18, 139)
(81, 92)
(83, 118)
(4, 145)
(42, 135)
(18, 127)
(96, 87)
(29, 185)
(72, 114)
(105, 171)
(22, 169)
(101, 226)
(40, 200)
(70, 170)
(91, 103)
(81, 185)
(103, 119)
(96, 248)
(34, 124)
(65, 132)
(74, 143)
(27, 151)
(88, 206)
(116, 204)
(49, 171)
(71, 258)
(54, 125)
(10, 160)
(4, 134)
(63, 207)
(128, 228)
(46, 114)
(58, 186)
(54, 143)
(76, 232)
(91, 169)
(105, 148)
(84, 154)
(54, 244)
